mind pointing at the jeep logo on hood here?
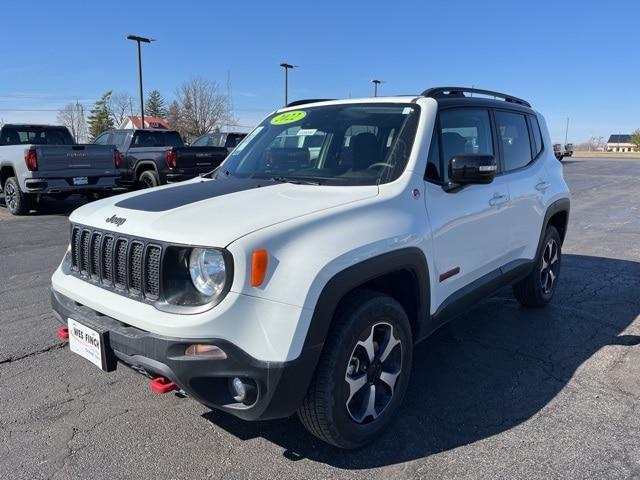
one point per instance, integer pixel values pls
(117, 221)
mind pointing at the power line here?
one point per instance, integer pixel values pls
(35, 109)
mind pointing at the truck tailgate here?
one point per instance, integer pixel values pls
(200, 158)
(84, 159)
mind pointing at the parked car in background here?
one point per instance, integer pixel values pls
(568, 150)
(560, 152)
(45, 160)
(227, 140)
(151, 157)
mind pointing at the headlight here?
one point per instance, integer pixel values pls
(207, 269)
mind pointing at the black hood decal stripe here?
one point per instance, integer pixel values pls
(181, 195)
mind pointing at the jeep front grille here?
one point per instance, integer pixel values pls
(120, 263)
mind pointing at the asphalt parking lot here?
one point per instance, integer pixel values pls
(500, 392)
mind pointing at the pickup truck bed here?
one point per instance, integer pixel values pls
(45, 160)
(64, 168)
(153, 157)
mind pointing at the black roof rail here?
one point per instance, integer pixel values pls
(443, 92)
(308, 100)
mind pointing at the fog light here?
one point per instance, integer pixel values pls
(243, 390)
(205, 351)
(240, 392)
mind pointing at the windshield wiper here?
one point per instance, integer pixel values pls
(215, 173)
(296, 181)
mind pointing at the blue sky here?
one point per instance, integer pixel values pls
(569, 59)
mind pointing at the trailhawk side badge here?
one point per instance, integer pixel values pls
(117, 221)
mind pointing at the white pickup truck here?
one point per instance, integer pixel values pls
(44, 160)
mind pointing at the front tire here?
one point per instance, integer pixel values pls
(363, 372)
(18, 202)
(537, 289)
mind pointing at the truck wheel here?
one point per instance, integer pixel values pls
(148, 179)
(536, 290)
(363, 371)
(18, 202)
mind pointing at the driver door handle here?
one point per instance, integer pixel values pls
(498, 199)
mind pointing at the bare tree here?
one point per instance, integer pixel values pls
(594, 144)
(120, 107)
(73, 117)
(202, 107)
(174, 117)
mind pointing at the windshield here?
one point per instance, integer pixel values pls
(352, 144)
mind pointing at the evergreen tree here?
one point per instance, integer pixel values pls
(99, 118)
(155, 105)
(635, 138)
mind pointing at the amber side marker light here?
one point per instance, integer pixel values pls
(259, 264)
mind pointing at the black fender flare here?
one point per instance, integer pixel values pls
(144, 163)
(345, 281)
(562, 205)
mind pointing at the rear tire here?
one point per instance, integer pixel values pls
(148, 179)
(18, 202)
(537, 289)
(339, 408)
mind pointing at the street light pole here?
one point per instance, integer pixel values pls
(286, 67)
(138, 39)
(375, 86)
(566, 132)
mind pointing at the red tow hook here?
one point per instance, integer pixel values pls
(63, 333)
(162, 385)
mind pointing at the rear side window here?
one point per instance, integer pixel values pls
(201, 142)
(537, 136)
(464, 132)
(103, 139)
(514, 138)
(119, 139)
(233, 140)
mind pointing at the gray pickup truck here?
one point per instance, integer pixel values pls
(151, 157)
(45, 160)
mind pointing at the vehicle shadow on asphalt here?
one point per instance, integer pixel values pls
(488, 370)
(50, 206)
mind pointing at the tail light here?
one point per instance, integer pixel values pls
(31, 159)
(171, 158)
(117, 158)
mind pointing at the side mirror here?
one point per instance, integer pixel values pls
(472, 169)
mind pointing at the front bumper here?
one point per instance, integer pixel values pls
(281, 386)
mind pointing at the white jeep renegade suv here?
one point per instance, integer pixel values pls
(298, 276)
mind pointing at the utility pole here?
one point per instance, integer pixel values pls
(566, 132)
(138, 39)
(375, 86)
(286, 67)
